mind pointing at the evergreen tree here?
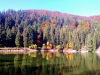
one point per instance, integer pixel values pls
(17, 40)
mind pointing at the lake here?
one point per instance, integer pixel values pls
(48, 63)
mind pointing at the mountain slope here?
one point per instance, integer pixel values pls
(26, 27)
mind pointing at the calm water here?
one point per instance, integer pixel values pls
(48, 63)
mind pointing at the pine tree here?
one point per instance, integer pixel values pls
(17, 40)
(25, 38)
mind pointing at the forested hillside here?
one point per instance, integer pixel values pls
(26, 27)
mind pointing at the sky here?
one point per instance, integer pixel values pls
(76, 7)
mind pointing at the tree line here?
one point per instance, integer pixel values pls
(26, 27)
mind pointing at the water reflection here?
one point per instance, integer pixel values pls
(48, 63)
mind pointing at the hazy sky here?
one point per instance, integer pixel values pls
(77, 7)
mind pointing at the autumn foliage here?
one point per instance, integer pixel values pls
(24, 28)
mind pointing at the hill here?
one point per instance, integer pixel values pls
(26, 27)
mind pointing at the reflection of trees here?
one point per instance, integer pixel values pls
(69, 56)
(43, 54)
(88, 64)
(17, 64)
(91, 62)
(33, 54)
(48, 55)
(6, 68)
(24, 67)
(98, 55)
(57, 64)
(74, 64)
(31, 65)
(6, 64)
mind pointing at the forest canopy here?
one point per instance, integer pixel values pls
(26, 27)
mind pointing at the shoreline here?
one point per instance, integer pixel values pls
(25, 50)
